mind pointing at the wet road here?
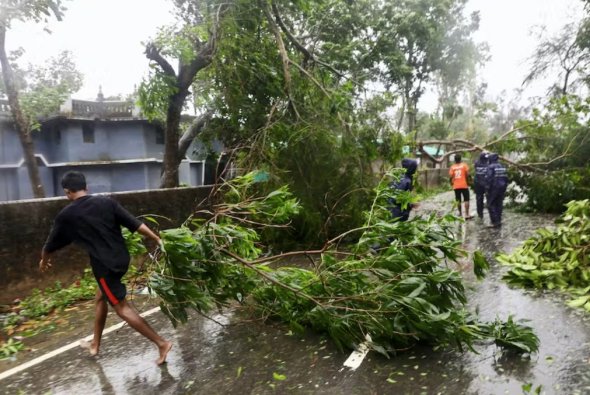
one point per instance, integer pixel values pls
(240, 357)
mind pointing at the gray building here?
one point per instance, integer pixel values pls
(110, 142)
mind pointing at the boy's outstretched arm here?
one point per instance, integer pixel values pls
(58, 238)
(147, 232)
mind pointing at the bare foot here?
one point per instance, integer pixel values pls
(163, 349)
(92, 349)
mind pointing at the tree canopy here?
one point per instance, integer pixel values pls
(34, 11)
(297, 86)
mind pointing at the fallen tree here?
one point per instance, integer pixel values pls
(556, 258)
(458, 146)
(399, 294)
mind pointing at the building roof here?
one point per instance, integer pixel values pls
(88, 109)
(430, 150)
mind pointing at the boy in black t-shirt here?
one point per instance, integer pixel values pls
(94, 223)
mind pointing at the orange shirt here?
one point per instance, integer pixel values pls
(458, 172)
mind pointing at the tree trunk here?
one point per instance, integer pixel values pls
(193, 131)
(21, 124)
(411, 115)
(183, 81)
(171, 153)
(402, 114)
(565, 82)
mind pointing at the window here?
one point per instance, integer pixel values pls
(56, 133)
(88, 132)
(159, 136)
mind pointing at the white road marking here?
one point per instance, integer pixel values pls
(356, 358)
(65, 348)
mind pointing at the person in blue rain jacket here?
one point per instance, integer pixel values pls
(480, 182)
(404, 184)
(497, 181)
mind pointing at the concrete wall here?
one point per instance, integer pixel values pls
(24, 189)
(9, 184)
(11, 151)
(154, 148)
(63, 141)
(24, 226)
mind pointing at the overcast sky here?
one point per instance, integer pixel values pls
(105, 37)
(506, 26)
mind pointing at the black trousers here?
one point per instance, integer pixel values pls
(496, 204)
(480, 192)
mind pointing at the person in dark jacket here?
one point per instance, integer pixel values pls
(404, 184)
(480, 182)
(497, 181)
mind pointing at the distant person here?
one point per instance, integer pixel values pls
(497, 182)
(94, 223)
(480, 182)
(404, 184)
(458, 174)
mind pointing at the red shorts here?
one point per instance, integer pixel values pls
(113, 290)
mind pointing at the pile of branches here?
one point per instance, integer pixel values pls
(556, 258)
(394, 284)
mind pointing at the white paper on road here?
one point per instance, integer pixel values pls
(356, 358)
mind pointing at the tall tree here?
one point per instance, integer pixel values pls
(192, 45)
(566, 54)
(35, 11)
(42, 89)
(417, 40)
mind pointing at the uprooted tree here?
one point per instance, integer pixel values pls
(548, 152)
(389, 282)
(286, 84)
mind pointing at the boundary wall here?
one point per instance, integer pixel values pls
(25, 225)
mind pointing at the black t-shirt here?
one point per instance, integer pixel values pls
(94, 223)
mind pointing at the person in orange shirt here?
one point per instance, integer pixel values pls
(458, 175)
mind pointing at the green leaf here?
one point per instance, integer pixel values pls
(579, 302)
(278, 376)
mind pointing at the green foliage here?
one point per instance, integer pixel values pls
(40, 303)
(527, 388)
(32, 10)
(400, 293)
(558, 58)
(317, 114)
(43, 88)
(512, 336)
(133, 242)
(179, 43)
(550, 192)
(199, 269)
(314, 112)
(480, 265)
(9, 348)
(556, 139)
(556, 258)
(154, 94)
